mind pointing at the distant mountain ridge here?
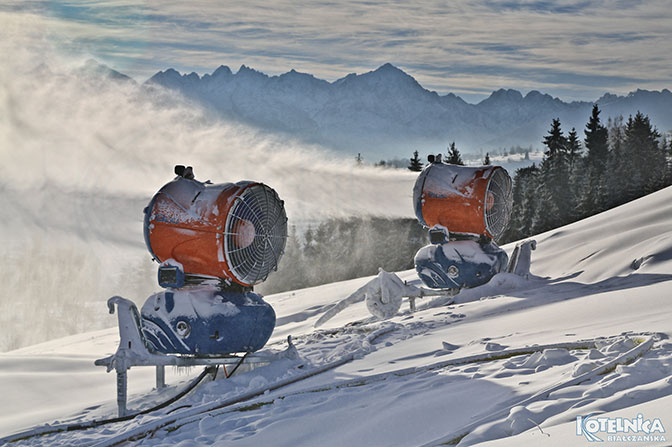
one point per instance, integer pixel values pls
(387, 113)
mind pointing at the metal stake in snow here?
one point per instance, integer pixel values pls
(121, 392)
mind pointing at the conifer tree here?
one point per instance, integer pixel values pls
(555, 141)
(486, 161)
(615, 183)
(309, 245)
(666, 147)
(524, 203)
(415, 164)
(597, 142)
(555, 203)
(573, 148)
(454, 156)
(647, 161)
(593, 197)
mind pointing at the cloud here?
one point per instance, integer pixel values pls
(470, 47)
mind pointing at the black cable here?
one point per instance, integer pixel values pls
(164, 404)
(237, 365)
(92, 424)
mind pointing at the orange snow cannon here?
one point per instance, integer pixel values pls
(471, 201)
(231, 231)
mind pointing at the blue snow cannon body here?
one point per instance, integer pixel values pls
(205, 320)
(458, 264)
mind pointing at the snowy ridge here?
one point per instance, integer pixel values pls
(387, 113)
(587, 332)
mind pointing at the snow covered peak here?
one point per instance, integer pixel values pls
(171, 78)
(222, 70)
(537, 99)
(608, 97)
(390, 73)
(245, 71)
(94, 68)
(168, 74)
(503, 96)
(391, 70)
(297, 75)
(348, 78)
(536, 94)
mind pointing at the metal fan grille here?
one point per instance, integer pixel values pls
(255, 234)
(497, 216)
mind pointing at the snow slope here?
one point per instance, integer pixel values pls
(604, 281)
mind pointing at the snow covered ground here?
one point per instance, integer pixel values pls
(605, 282)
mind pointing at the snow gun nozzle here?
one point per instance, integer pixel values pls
(185, 172)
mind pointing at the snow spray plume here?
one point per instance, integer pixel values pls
(84, 151)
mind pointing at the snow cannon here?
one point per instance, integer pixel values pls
(214, 242)
(465, 208)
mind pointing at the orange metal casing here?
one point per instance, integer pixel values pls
(454, 197)
(185, 221)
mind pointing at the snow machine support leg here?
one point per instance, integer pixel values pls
(131, 350)
(411, 303)
(520, 260)
(160, 377)
(122, 382)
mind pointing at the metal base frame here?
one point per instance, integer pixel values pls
(133, 351)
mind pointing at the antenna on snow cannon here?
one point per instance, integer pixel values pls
(465, 208)
(214, 243)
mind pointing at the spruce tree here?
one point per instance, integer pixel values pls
(573, 148)
(593, 196)
(525, 184)
(555, 141)
(647, 160)
(617, 178)
(415, 164)
(666, 147)
(454, 156)
(597, 143)
(555, 204)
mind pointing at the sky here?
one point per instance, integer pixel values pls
(573, 49)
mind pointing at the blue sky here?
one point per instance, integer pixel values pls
(571, 49)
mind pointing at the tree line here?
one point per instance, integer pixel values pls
(616, 163)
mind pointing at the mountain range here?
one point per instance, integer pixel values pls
(386, 113)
